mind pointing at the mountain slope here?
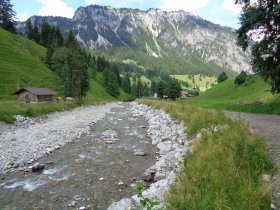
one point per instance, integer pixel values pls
(21, 65)
(169, 41)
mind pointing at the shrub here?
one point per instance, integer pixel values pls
(222, 77)
(241, 78)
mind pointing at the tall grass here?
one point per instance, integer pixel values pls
(10, 108)
(225, 169)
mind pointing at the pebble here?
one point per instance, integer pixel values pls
(120, 183)
(101, 179)
(140, 153)
(82, 208)
(273, 207)
(73, 204)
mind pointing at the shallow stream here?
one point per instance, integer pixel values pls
(93, 171)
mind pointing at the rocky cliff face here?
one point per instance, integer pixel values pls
(156, 33)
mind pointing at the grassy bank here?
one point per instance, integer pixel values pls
(225, 169)
(10, 108)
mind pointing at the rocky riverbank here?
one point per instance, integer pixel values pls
(170, 139)
(24, 143)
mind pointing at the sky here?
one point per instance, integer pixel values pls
(223, 12)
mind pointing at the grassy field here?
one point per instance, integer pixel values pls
(225, 169)
(228, 96)
(201, 81)
(21, 65)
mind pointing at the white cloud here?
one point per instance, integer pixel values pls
(187, 5)
(55, 8)
(231, 6)
(22, 17)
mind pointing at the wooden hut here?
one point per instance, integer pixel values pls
(34, 95)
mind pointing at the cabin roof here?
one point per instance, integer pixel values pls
(36, 91)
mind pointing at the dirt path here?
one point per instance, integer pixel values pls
(269, 127)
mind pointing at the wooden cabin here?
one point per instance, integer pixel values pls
(184, 94)
(34, 95)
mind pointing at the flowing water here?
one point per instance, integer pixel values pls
(94, 171)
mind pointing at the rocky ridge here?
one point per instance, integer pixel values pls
(155, 33)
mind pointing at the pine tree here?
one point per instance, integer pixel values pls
(105, 77)
(126, 83)
(161, 89)
(101, 63)
(139, 88)
(222, 77)
(29, 29)
(7, 15)
(70, 65)
(116, 71)
(153, 87)
(113, 86)
(92, 67)
(45, 35)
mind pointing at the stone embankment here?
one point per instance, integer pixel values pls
(24, 143)
(170, 139)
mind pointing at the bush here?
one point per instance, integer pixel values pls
(241, 78)
(222, 77)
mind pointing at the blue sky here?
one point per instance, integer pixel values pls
(223, 12)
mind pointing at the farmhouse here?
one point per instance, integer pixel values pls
(184, 94)
(34, 95)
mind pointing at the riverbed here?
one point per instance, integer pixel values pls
(91, 171)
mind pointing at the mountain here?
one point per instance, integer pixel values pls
(175, 42)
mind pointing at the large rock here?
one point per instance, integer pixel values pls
(37, 167)
(138, 152)
(123, 204)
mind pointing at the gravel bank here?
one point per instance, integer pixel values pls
(23, 144)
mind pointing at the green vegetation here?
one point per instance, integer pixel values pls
(259, 21)
(170, 61)
(7, 15)
(10, 108)
(252, 96)
(173, 89)
(22, 65)
(145, 203)
(222, 77)
(225, 169)
(197, 81)
(96, 95)
(241, 78)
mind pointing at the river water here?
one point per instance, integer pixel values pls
(93, 171)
